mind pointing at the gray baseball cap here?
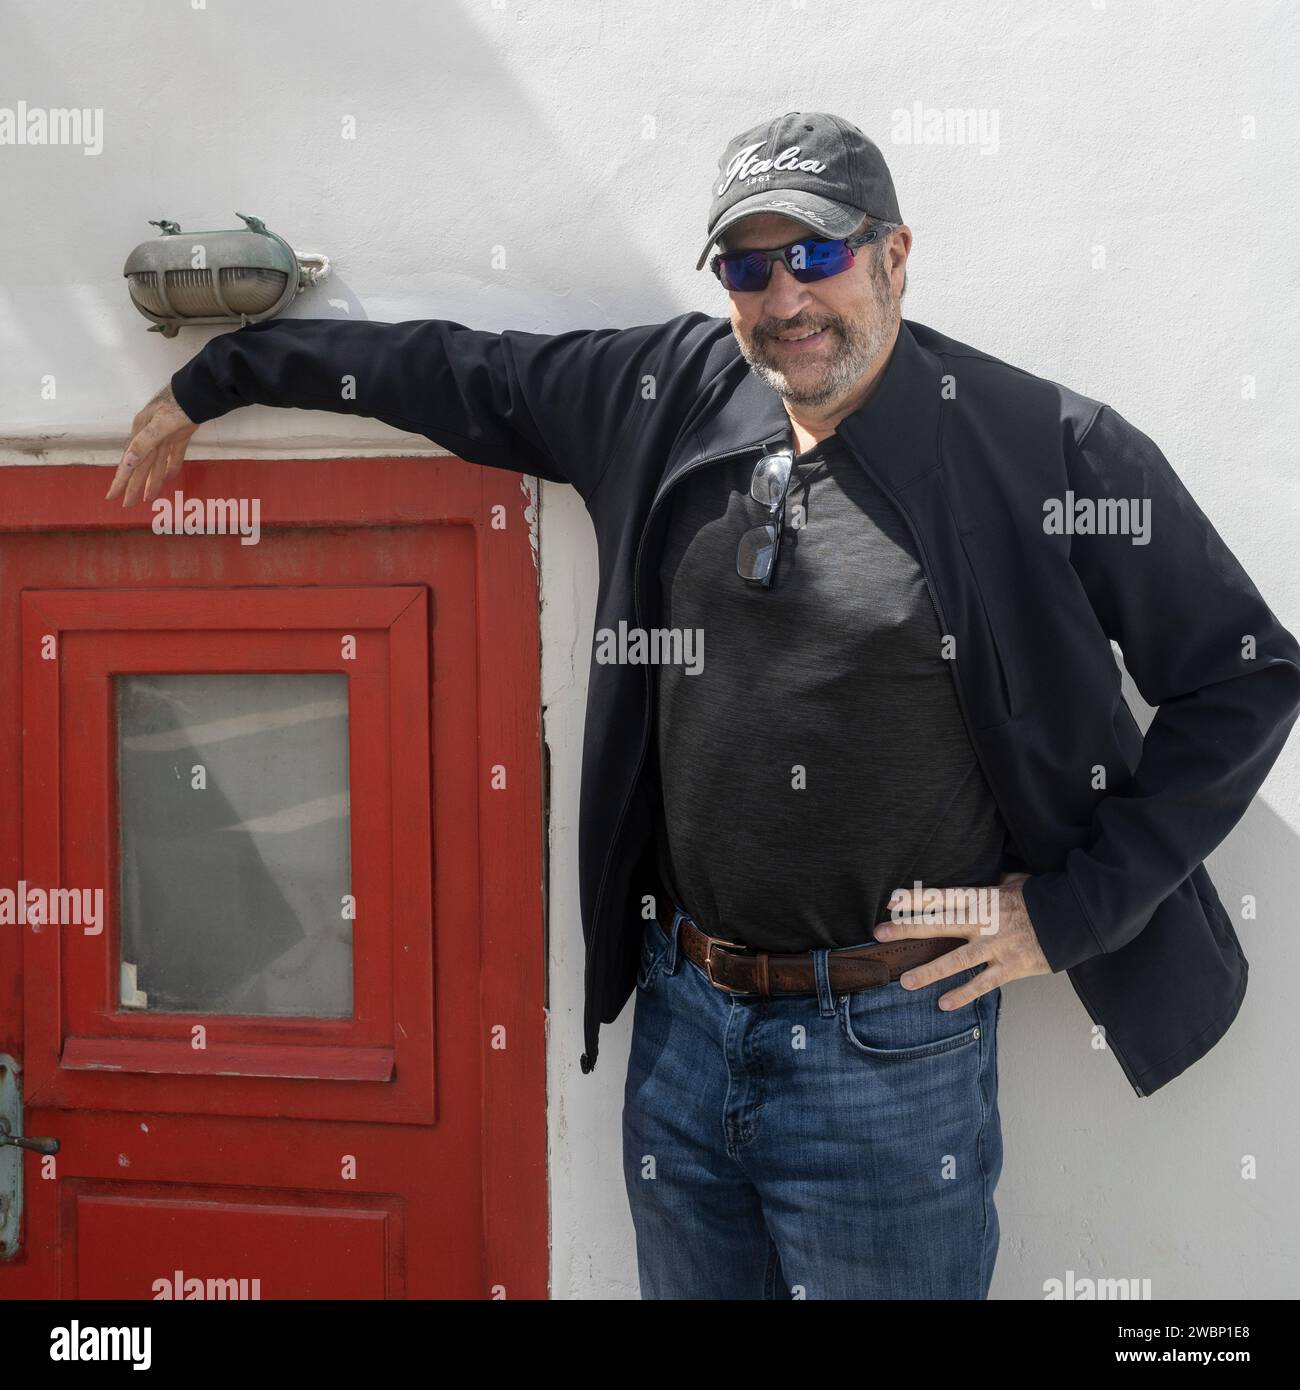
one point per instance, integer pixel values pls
(809, 165)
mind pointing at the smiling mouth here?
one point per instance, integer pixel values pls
(805, 339)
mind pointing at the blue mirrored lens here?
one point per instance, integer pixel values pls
(820, 258)
(744, 271)
(809, 260)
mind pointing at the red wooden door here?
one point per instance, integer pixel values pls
(270, 916)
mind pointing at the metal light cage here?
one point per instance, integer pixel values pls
(249, 274)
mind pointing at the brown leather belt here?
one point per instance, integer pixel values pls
(739, 969)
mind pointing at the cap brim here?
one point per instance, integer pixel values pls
(821, 215)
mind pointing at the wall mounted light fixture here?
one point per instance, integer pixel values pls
(240, 275)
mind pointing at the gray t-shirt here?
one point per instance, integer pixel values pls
(819, 759)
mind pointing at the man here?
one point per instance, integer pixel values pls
(908, 562)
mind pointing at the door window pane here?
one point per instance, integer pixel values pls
(235, 850)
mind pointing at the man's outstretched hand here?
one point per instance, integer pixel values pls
(999, 936)
(160, 434)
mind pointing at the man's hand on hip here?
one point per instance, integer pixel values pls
(993, 919)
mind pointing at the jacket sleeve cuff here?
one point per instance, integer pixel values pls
(197, 393)
(1059, 921)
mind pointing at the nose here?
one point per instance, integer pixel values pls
(784, 296)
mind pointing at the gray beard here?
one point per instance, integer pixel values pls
(858, 346)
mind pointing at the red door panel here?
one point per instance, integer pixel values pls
(337, 1249)
(302, 1040)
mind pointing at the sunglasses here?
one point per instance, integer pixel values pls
(809, 260)
(756, 556)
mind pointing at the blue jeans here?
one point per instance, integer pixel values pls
(809, 1146)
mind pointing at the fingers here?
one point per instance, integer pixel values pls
(951, 963)
(136, 462)
(136, 480)
(983, 983)
(157, 472)
(175, 457)
(119, 480)
(155, 451)
(935, 912)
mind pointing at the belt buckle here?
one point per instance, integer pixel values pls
(708, 963)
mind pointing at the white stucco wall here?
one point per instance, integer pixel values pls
(581, 136)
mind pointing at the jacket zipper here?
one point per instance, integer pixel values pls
(649, 689)
(975, 744)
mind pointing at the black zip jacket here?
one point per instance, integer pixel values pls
(1112, 827)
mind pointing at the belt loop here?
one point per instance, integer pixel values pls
(670, 960)
(822, 974)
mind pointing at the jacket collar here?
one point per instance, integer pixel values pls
(894, 435)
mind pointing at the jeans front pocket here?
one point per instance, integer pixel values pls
(893, 1024)
(654, 949)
